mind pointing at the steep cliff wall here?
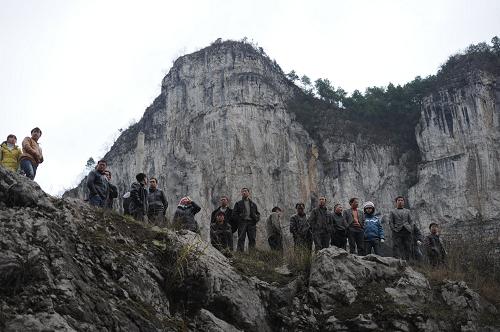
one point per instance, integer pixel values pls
(223, 121)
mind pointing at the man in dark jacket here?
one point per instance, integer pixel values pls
(273, 227)
(300, 228)
(228, 218)
(434, 249)
(404, 231)
(247, 215)
(320, 220)
(157, 203)
(221, 236)
(98, 185)
(138, 205)
(112, 192)
(356, 222)
(184, 215)
(340, 229)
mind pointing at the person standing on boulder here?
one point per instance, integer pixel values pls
(434, 249)
(138, 205)
(157, 203)
(184, 215)
(247, 216)
(112, 192)
(319, 221)
(340, 229)
(98, 185)
(273, 227)
(374, 232)
(228, 218)
(356, 222)
(10, 154)
(300, 228)
(32, 153)
(403, 230)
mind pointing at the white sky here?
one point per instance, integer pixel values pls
(80, 70)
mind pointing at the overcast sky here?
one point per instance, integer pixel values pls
(80, 70)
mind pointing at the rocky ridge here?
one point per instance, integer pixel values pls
(65, 266)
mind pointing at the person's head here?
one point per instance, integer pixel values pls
(434, 228)
(369, 207)
(185, 201)
(36, 133)
(245, 192)
(338, 208)
(108, 174)
(224, 201)
(322, 201)
(400, 202)
(300, 208)
(153, 183)
(141, 178)
(101, 166)
(354, 202)
(11, 139)
(220, 217)
(276, 209)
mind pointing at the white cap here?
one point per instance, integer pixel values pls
(368, 204)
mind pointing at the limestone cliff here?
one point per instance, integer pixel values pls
(223, 121)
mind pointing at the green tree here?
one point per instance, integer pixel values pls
(90, 164)
(292, 76)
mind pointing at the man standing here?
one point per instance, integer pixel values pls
(273, 227)
(403, 230)
(300, 228)
(157, 203)
(374, 232)
(247, 216)
(320, 228)
(340, 229)
(138, 205)
(98, 185)
(436, 254)
(32, 153)
(228, 214)
(112, 192)
(356, 222)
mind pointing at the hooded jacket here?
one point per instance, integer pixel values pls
(373, 227)
(184, 216)
(10, 158)
(32, 151)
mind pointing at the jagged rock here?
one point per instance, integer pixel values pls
(208, 322)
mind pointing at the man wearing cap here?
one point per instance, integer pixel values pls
(436, 254)
(373, 231)
(221, 236)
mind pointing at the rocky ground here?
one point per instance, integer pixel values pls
(65, 266)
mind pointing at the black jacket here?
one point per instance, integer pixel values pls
(184, 216)
(97, 184)
(239, 212)
(112, 194)
(228, 218)
(157, 202)
(138, 199)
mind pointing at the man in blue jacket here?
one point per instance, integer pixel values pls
(373, 230)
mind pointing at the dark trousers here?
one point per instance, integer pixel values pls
(301, 242)
(321, 240)
(275, 242)
(222, 240)
(246, 228)
(402, 243)
(96, 200)
(339, 239)
(356, 241)
(372, 244)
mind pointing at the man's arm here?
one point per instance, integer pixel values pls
(91, 185)
(164, 202)
(195, 207)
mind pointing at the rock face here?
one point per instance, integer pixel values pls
(65, 266)
(222, 121)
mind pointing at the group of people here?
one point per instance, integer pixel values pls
(26, 159)
(359, 228)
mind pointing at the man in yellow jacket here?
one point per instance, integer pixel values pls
(10, 153)
(32, 153)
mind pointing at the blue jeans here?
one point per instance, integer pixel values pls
(28, 168)
(97, 201)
